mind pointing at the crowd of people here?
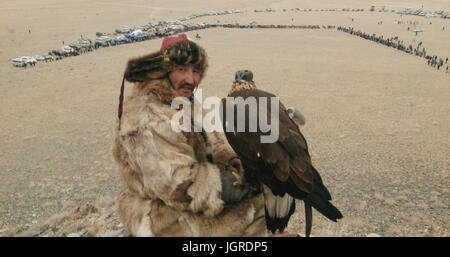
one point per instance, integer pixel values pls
(395, 43)
(434, 62)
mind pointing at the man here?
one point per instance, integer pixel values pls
(177, 183)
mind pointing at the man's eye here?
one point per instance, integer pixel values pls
(196, 70)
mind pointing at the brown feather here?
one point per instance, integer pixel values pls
(288, 157)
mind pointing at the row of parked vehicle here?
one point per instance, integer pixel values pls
(429, 14)
(73, 49)
(104, 40)
(158, 31)
(147, 31)
(122, 35)
(25, 61)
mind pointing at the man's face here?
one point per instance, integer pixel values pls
(185, 79)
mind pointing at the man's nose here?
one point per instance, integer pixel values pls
(189, 77)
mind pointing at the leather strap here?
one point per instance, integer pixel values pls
(121, 100)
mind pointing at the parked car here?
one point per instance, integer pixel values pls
(18, 62)
(137, 35)
(38, 58)
(75, 46)
(23, 61)
(29, 60)
(123, 30)
(47, 57)
(121, 40)
(58, 54)
(67, 50)
(103, 41)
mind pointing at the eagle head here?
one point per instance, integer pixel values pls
(243, 80)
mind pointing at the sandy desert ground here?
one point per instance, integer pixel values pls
(377, 119)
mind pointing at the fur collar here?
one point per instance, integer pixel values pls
(161, 88)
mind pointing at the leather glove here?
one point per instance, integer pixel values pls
(232, 194)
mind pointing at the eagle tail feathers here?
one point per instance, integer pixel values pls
(279, 223)
(319, 188)
(278, 210)
(320, 199)
(308, 218)
(323, 206)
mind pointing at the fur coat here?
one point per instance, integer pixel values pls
(170, 189)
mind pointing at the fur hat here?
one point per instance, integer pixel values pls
(174, 51)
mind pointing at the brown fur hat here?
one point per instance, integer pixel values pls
(158, 64)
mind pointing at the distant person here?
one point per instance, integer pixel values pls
(446, 60)
(29, 31)
(446, 71)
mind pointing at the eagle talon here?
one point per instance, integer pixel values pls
(238, 177)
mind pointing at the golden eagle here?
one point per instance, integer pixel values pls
(281, 169)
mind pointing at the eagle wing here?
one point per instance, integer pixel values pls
(288, 157)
